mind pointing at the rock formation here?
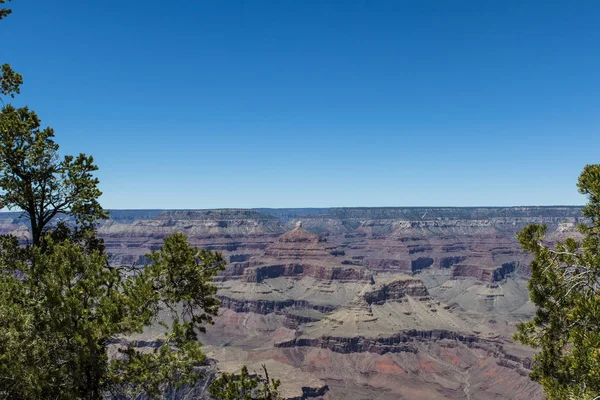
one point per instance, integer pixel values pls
(406, 302)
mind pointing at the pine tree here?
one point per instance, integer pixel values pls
(564, 286)
(66, 314)
(10, 81)
(35, 180)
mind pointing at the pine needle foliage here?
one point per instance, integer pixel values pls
(35, 180)
(70, 323)
(10, 81)
(564, 286)
(244, 386)
(66, 319)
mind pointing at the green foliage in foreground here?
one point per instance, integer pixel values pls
(10, 81)
(245, 387)
(67, 317)
(564, 285)
(34, 179)
(65, 311)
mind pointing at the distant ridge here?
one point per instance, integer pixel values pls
(397, 213)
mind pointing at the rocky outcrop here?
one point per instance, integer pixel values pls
(387, 264)
(447, 262)
(268, 306)
(421, 263)
(402, 342)
(309, 392)
(410, 341)
(483, 273)
(299, 254)
(237, 258)
(295, 318)
(339, 273)
(299, 244)
(395, 289)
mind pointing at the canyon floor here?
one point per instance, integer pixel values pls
(361, 303)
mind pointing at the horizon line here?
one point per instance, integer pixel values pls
(326, 207)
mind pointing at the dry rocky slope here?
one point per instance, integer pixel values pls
(361, 303)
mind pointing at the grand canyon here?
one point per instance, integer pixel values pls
(359, 303)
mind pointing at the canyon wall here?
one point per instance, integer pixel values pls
(407, 296)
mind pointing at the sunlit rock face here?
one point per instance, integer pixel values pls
(298, 253)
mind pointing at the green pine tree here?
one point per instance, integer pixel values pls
(65, 316)
(564, 286)
(10, 81)
(65, 313)
(34, 179)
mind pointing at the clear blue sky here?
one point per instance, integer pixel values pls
(202, 104)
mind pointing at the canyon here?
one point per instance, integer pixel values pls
(360, 303)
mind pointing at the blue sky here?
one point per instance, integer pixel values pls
(204, 104)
